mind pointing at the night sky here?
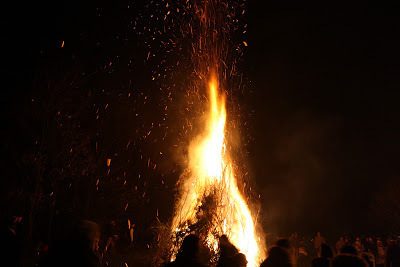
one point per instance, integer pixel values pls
(320, 106)
(326, 102)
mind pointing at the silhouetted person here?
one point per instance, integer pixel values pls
(78, 248)
(278, 255)
(229, 255)
(303, 259)
(393, 254)
(348, 260)
(325, 259)
(368, 257)
(318, 240)
(239, 260)
(294, 248)
(188, 253)
(349, 249)
(339, 244)
(320, 262)
(358, 245)
(370, 245)
(283, 243)
(326, 251)
(380, 254)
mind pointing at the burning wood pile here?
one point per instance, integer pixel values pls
(210, 202)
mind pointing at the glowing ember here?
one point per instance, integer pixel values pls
(211, 174)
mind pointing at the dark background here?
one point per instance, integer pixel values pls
(321, 105)
(326, 101)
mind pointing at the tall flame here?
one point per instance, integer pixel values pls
(211, 172)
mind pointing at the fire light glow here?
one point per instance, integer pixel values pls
(211, 173)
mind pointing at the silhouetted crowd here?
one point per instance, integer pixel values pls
(79, 246)
(366, 252)
(295, 251)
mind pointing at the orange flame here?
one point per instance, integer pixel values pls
(211, 170)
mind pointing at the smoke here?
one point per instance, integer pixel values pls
(291, 160)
